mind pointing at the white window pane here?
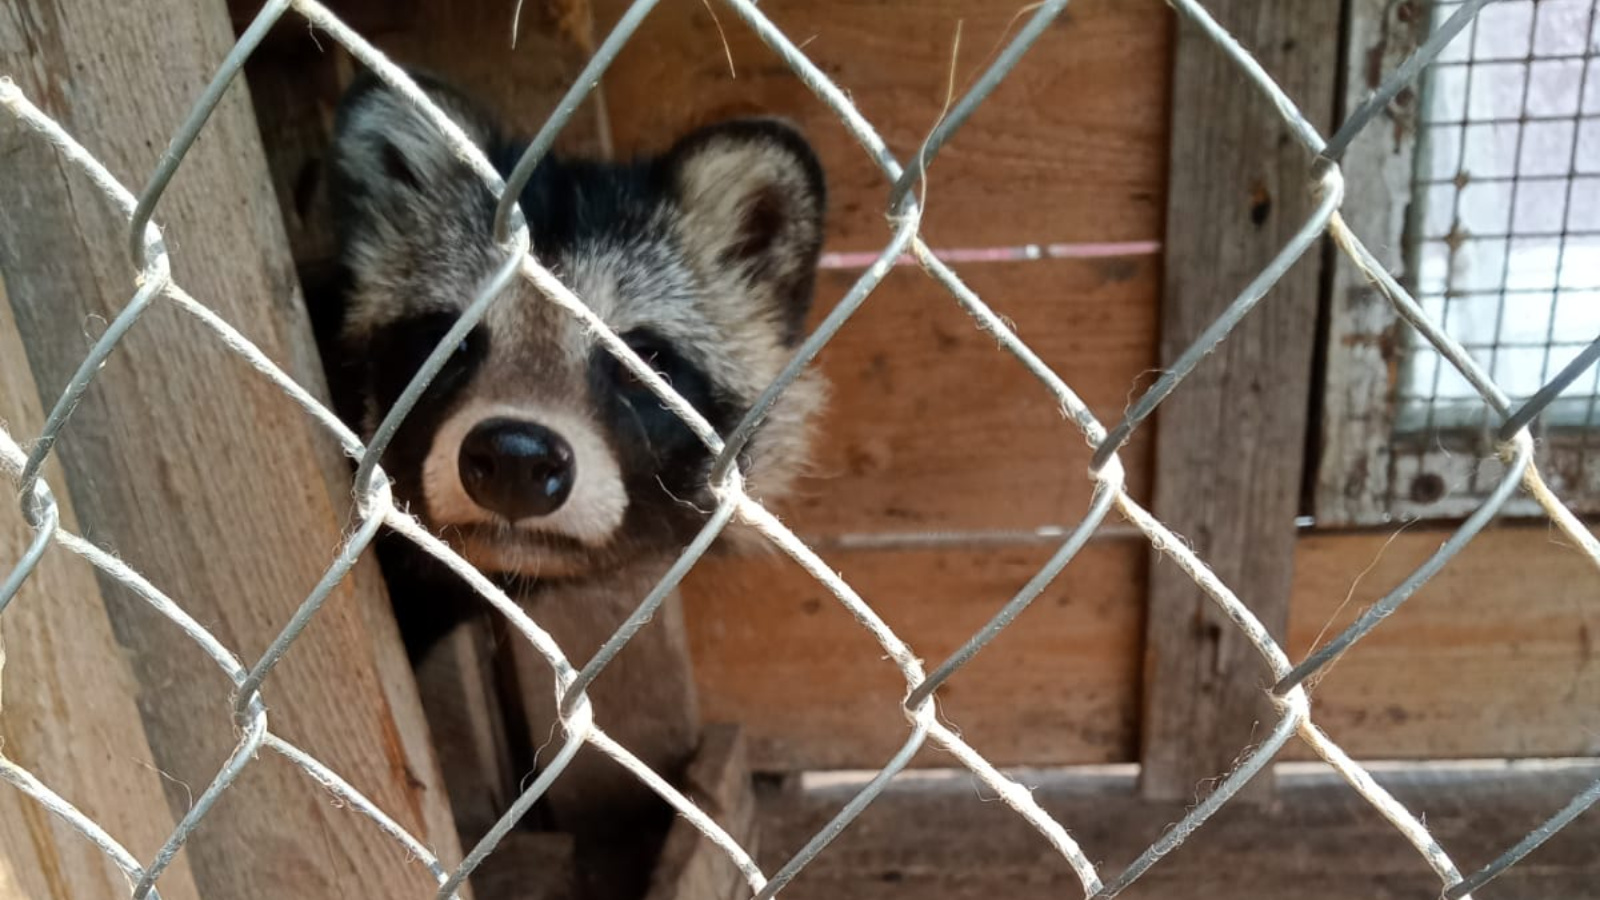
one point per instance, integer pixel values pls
(1562, 27)
(1420, 372)
(1447, 94)
(1584, 212)
(1580, 264)
(1505, 30)
(1532, 265)
(1525, 318)
(1478, 265)
(1546, 148)
(1496, 91)
(1541, 206)
(1485, 207)
(1553, 87)
(1444, 152)
(1587, 160)
(1577, 315)
(1433, 268)
(1519, 370)
(1491, 150)
(1472, 319)
(1439, 210)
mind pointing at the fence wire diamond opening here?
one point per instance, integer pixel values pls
(152, 283)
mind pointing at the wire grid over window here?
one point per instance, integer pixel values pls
(1503, 246)
(151, 274)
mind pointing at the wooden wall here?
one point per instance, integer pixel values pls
(938, 443)
(933, 429)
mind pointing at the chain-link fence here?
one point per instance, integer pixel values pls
(375, 509)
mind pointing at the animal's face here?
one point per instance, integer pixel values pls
(534, 452)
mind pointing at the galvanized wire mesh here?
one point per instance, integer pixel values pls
(374, 507)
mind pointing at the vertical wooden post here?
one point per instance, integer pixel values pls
(1363, 335)
(68, 710)
(1230, 442)
(195, 470)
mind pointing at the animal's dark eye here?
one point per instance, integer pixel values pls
(399, 350)
(419, 337)
(655, 352)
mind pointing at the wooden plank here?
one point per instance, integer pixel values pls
(645, 700)
(718, 781)
(1495, 657)
(931, 427)
(776, 652)
(69, 711)
(1231, 439)
(198, 472)
(947, 838)
(459, 683)
(1069, 148)
(1449, 676)
(529, 865)
(1352, 476)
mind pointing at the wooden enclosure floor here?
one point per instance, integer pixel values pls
(945, 837)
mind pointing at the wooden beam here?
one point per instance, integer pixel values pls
(775, 652)
(1364, 335)
(195, 470)
(1493, 658)
(1069, 148)
(1002, 457)
(1230, 442)
(718, 781)
(946, 838)
(69, 710)
(645, 700)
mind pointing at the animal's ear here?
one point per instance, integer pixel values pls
(391, 167)
(752, 197)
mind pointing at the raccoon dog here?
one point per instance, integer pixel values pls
(534, 453)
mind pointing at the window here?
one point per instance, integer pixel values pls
(1493, 171)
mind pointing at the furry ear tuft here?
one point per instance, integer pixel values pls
(752, 197)
(390, 167)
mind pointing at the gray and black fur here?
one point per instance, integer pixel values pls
(703, 258)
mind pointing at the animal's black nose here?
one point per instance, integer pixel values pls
(517, 469)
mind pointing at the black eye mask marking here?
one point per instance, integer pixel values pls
(399, 349)
(656, 445)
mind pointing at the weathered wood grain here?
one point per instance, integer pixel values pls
(949, 839)
(1231, 441)
(69, 708)
(198, 472)
(777, 653)
(1352, 475)
(932, 427)
(1069, 148)
(1495, 657)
